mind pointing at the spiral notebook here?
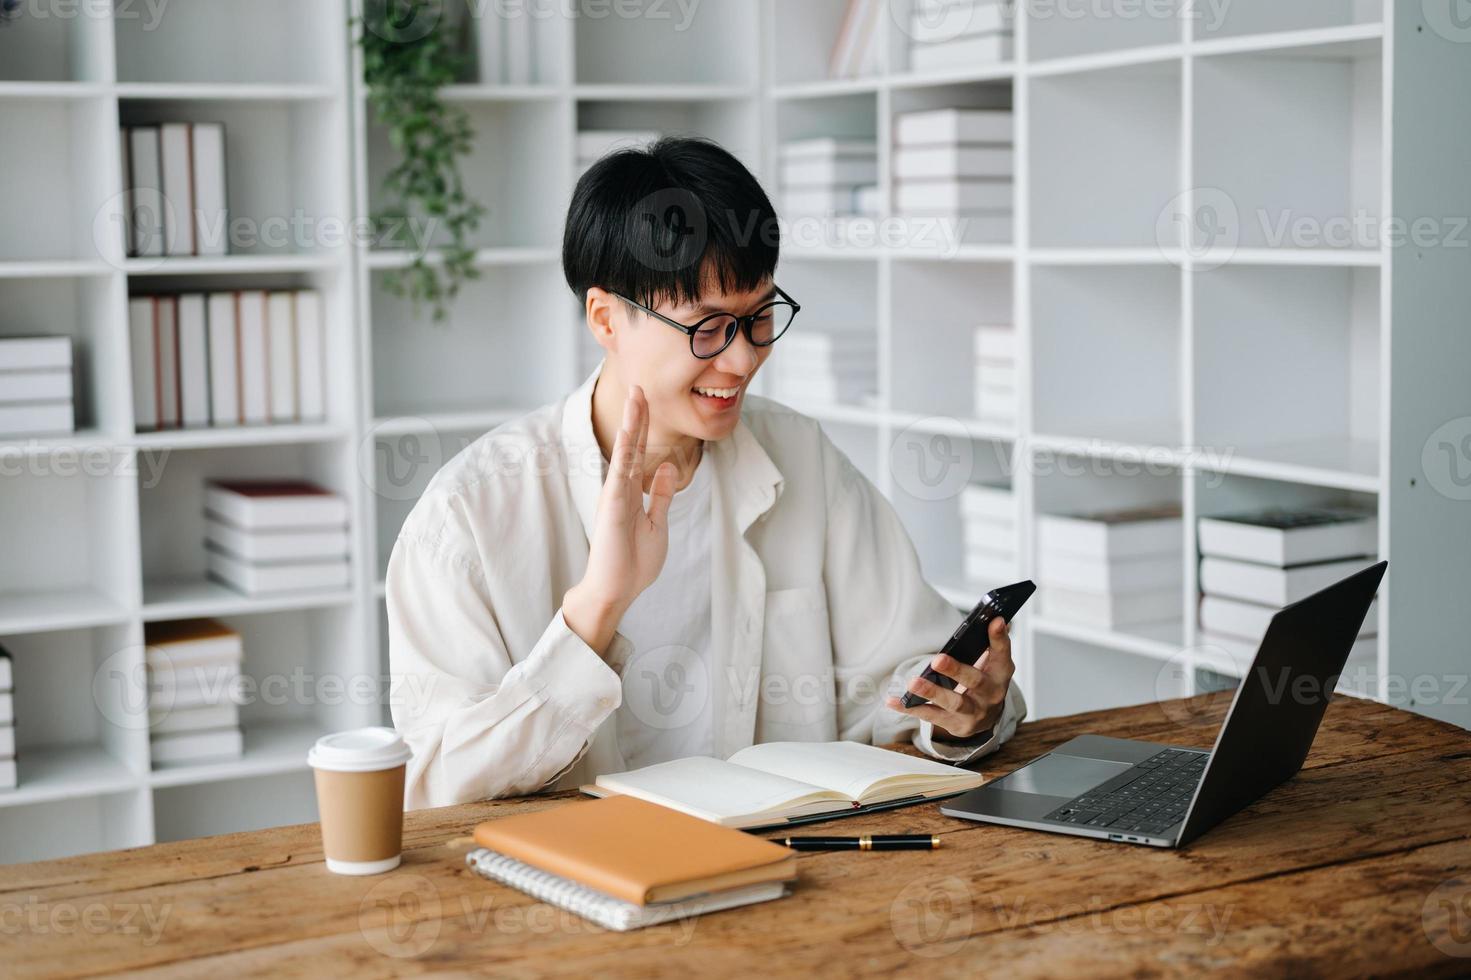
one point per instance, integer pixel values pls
(605, 910)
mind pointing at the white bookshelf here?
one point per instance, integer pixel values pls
(1131, 349)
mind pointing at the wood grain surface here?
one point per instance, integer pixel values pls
(1359, 865)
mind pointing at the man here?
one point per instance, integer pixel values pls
(662, 564)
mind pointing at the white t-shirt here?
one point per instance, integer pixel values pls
(668, 682)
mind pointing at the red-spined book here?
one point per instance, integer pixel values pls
(255, 505)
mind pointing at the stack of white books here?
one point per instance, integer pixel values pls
(8, 775)
(594, 144)
(36, 386)
(1112, 570)
(174, 189)
(988, 516)
(826, 177)
(956, 34)
(270, 537)
(193, 691)
(956, 165)
(1252, 564)
(838, 365)
(221, 359)
(996, 374)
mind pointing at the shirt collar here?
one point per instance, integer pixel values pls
(742, 466)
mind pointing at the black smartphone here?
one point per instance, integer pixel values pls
(972, 636)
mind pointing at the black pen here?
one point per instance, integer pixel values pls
(875, 842)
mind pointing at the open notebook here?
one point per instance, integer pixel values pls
(781, 782)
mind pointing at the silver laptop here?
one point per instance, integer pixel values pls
(1146, 793)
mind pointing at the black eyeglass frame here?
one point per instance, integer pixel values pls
(743, 323)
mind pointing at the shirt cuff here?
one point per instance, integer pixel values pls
(573, 679)
(925, 741)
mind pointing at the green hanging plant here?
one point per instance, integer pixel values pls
(411, 48)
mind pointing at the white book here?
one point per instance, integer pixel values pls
(932, 22)
(194, 408)
(7, 741)
(174, 153)
(956, 162)
(826, 171)
(988, 500)
(862, 53)
(275, 579)
(281, 350)
(166, 333)
(947, 127)
(995, 343)
(35, 386)
(961, 52)
(8, 774)
(7, 674)
(311, 357)
(992, 540)
(255, 365)
(278, 546)
(35, 353)
(952, 195)
(224, 365)
(866, 200)
(37, 419)
(989, 570)
(210, 214)
(206, 746)
(594, 144)
(1234, 656)
(1110, 611)
(827, 146)
(1281, 536)
(1123, 575)
(1249, 620)
(519, 53)
(1269, 584)
(175, 720)
(767, 783)
(275, 505)
(7, 708)
(143, 350)
(992, 375)
(147, 219)
(194, 685)
(605, 910)
(186, 642)
(1123, 533)
(818, 200)
(844, 53)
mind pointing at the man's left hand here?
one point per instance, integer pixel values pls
(979, 697)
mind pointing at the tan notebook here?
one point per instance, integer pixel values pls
(637, 851)
(776, 782)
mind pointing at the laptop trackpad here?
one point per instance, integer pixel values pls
(1060, 775)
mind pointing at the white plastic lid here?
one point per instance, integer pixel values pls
(359, 750)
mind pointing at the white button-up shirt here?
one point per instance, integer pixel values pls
(818, 608)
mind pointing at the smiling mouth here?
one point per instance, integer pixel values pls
(720, 394)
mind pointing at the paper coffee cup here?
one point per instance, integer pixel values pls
(360, 797)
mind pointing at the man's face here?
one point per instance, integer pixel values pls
(689, 396)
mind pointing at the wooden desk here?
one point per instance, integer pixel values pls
(1361, 863)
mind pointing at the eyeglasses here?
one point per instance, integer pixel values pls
(714, 333)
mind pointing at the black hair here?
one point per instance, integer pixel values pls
(667, 221)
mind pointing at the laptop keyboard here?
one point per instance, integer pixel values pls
(1148, 798)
